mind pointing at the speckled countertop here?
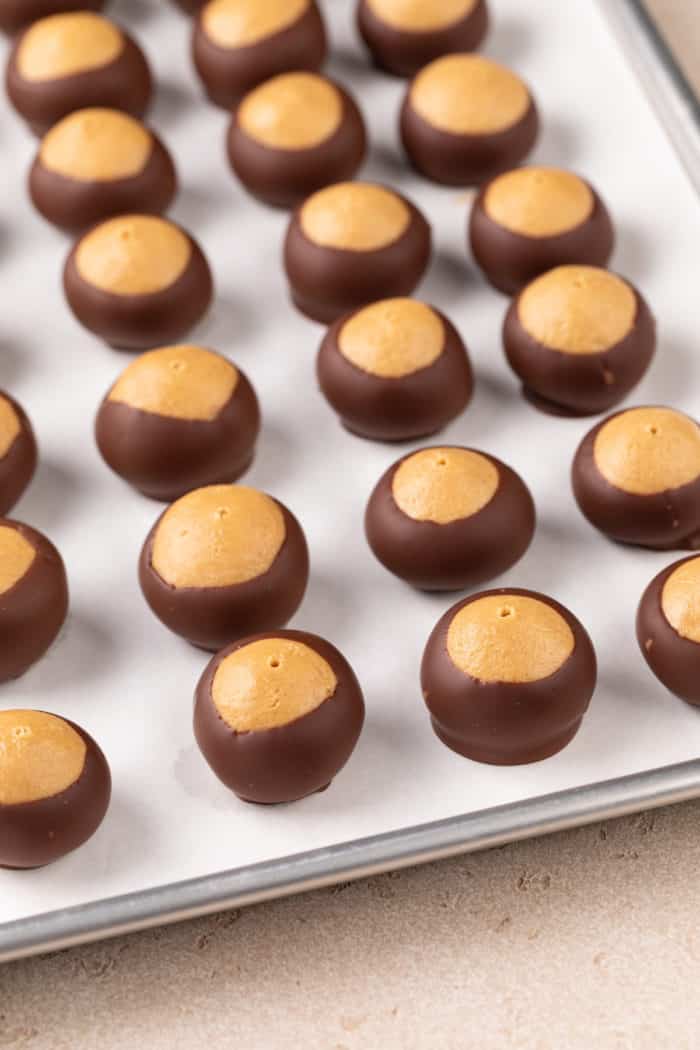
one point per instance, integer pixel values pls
(587, 940)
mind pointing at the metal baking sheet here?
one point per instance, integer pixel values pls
(175, 843)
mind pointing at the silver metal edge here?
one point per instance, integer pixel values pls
(679, 113)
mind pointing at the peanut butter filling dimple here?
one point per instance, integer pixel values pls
(9, 426)
(96, 145)
(469, 95)
(67, 44)
(292, 111)
(17, 556)
(180, 382)
(133, 255)
(420, 16)
(270, 683)
(392, 338)
(648, 450)
(444, 484)
(354, 216)
(509, 638)
(218, 536)
(578, 309)
(40, 756)
(238, 23)
(539, 202)
(680, 599)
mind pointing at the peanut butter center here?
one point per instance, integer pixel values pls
(270, 683)
(444, 484)
(17, 555)
(96, 145)
(9, 426)
(648, 450)
(354, 216)
(292, 111)
(509, 638)
(239, 23)
(421, 16)
(180, 382)
(539, 202)
(680, 599)
(133, 255)
(67, 44)
(40, 756)
(392, 338)
(469, 95)
(218, 536)
(578, 309)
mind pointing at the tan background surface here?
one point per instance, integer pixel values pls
(587, 940)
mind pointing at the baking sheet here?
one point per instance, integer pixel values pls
(121, 675)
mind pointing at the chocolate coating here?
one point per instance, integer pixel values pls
(404, 52)
(285, 177)
(190, 7)
(76, 204)
(287, 762)
(32, 611)
(18, 464)
(511, 260)
(460, 554)
(17, 14)
(327, 282)
(139, 322)
(667, 520)
(211, 617)
(228, 73)
(126, 84)
(507, 723)
(674, 660)
(396, 409)
(579, 384)
(164, 457)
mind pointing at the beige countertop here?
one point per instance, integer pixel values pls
(587, 940)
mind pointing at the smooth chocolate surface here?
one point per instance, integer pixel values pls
(507, 723)
(33, 610)
(18, 464)
(211, 617)
(190, 6)
(125, 83)
(579, 384)
(228, 73)
(285, 177)
(18, 14)
(164, 457)
(674, 660)
(33, 834)
(403, 52)
(286, 762)
(396, 409)
(460, 554)
(511, 260)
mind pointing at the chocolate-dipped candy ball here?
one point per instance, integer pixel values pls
(33, 597)
(394, 370)
(55, 788)
(465, 118)
(528, 221)
(177, 419)
(636, 477)
(137, 281)
(18, 452)
(222, 562)
(96, 163)
(448, 518)
(71, 61)
(580, 338)
(351, 244)
(507, 676)
(238, 44)
(293, 135)
(278, 715)
(668, 628)
(405, 35)
(17, 14)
